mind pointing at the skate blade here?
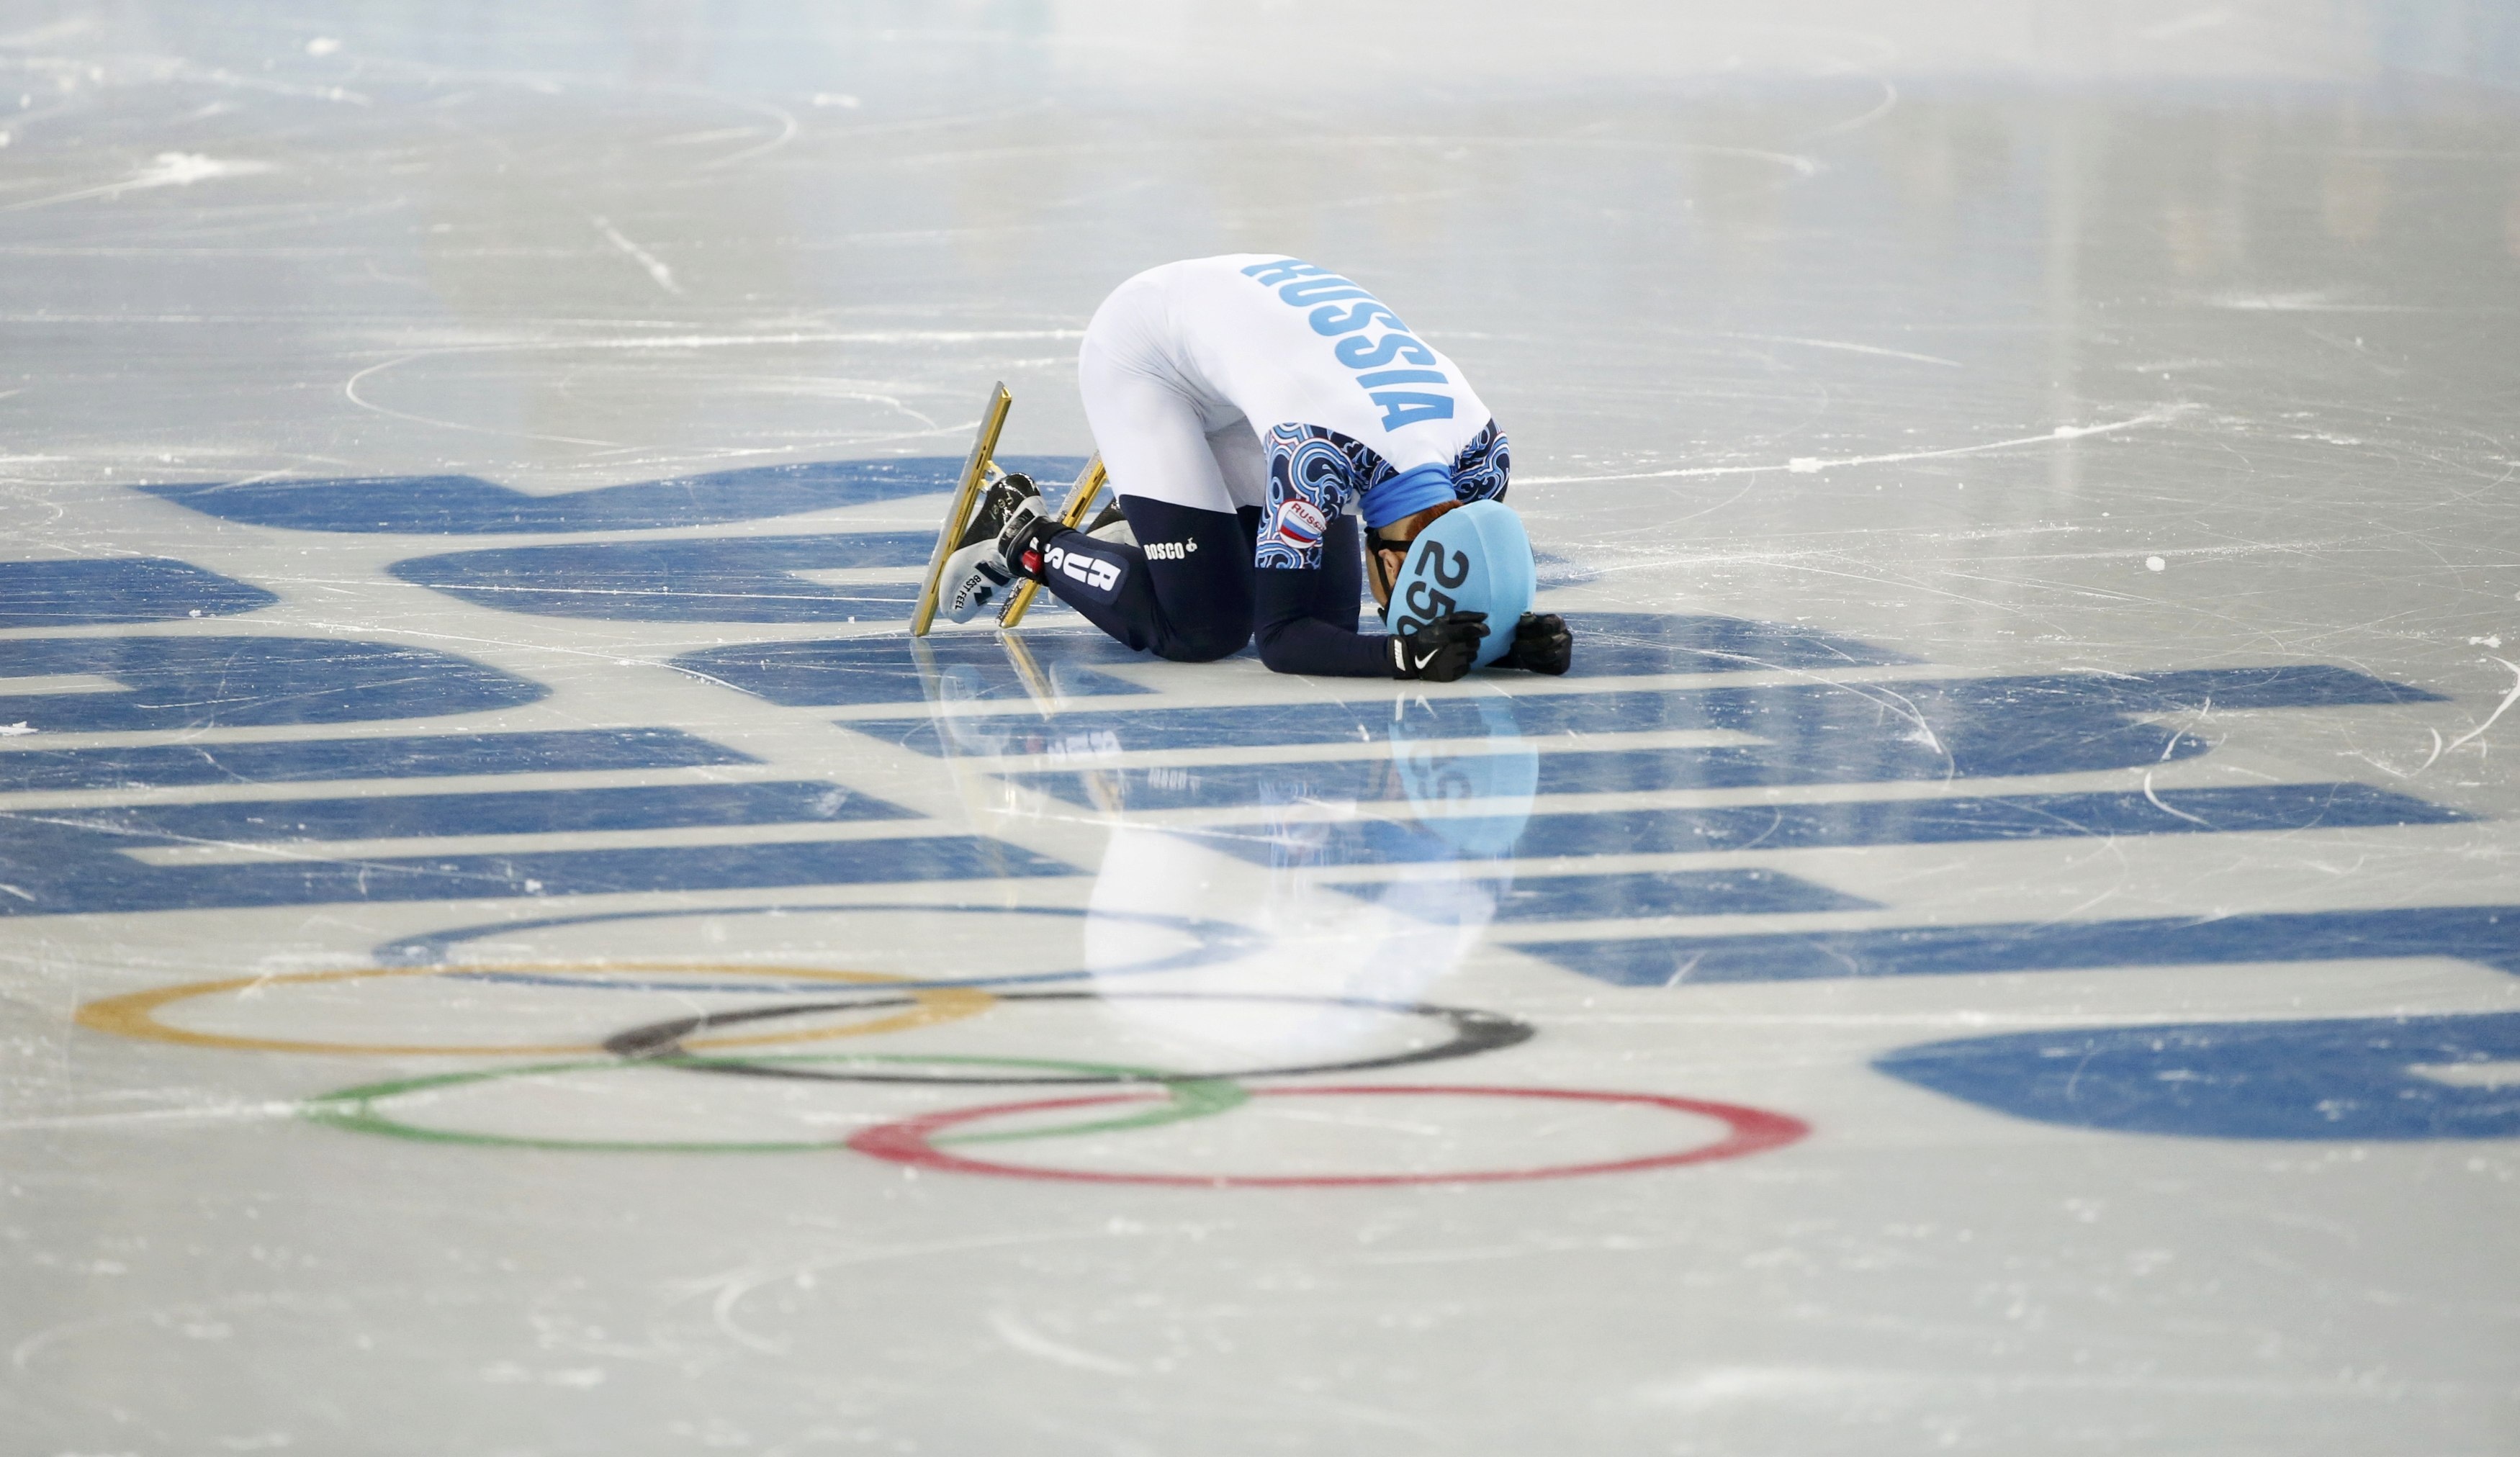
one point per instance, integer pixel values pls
(966, 495)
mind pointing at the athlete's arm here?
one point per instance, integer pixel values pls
(1294, 638)
(1441, 652)
(1300, 630)
(1309, 562)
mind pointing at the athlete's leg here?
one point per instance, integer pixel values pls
(1184, 591)
(1333, 591)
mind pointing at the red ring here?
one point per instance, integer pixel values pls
(1753, 1131)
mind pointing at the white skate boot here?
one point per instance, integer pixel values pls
(977, 575)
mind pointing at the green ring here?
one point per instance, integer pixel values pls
(354, 1108)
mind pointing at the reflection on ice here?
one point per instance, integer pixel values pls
(1385, 943)
(1793, 733)
(852, 672)
(1634, 895)
(1312, 941)
(948, 667)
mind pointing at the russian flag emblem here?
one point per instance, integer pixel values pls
(1299, 523)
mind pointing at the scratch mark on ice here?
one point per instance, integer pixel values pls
(1729, 1385)
(786, 132)
(350, 388)
(223, 1113)
(2437, 746)
(2500, 709)
(2165, 809)
(1851, 348)
(1882, 108)
(654, 266)
(1809, 465)
(729, 1288)
(169, 170)
(1033, 1342)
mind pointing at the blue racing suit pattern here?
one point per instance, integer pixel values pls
(1480, 470)
(1315, 474)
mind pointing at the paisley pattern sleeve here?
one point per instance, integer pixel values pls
(1480, 470)
(1313, 474)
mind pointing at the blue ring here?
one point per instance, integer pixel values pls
(1218, 940)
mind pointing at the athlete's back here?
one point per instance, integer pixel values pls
(1278, 342)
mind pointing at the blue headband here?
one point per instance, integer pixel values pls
(1407, 494)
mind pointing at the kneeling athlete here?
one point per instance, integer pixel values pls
(1250, 410)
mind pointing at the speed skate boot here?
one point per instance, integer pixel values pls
(977, 575)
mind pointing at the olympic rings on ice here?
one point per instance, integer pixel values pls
(1145, 1096)
(135, 1014)
(914, 1141)
(357, 1108)
(1470, 1031)
(1213, 940)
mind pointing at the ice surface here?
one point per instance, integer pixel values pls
(2004, 944)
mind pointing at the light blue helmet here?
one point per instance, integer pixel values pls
(1476, 559)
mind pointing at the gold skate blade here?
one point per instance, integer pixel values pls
(975, 470)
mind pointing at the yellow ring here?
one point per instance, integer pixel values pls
(134, 1014)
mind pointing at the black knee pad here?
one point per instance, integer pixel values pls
(1205, 642)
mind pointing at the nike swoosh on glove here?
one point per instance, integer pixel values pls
(1440, 652)
(1541, 644)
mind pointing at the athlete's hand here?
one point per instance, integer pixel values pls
(1541, 644)
(1440, 652)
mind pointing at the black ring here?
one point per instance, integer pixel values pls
(1473, 1031)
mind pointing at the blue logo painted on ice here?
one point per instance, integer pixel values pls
(1594, 912)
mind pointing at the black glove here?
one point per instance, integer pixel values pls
(1441, 650)
(1541, 644)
